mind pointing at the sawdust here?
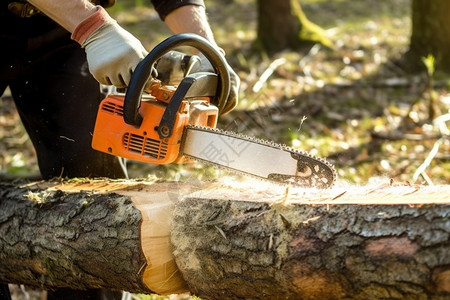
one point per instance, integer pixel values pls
(378, 191)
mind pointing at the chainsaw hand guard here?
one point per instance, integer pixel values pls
(143, 70)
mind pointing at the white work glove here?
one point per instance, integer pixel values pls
(174, 66)
(112, 52)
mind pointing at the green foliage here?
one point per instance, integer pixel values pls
(429, 63)
(309, 30)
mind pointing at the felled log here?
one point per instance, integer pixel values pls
(89, 234)
(383, 242)
(229, 240)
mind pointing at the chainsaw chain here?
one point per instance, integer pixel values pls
(301, 153)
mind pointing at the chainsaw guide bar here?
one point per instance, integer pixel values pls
(256, 157)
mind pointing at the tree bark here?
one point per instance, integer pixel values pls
(430, 32)
(383, 243)
(88, 235)
(228, 240)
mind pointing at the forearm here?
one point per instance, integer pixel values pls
(67, 13)
(190, 18)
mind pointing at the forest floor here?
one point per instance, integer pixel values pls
(354, 105)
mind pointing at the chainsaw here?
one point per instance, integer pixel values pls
(175, 124)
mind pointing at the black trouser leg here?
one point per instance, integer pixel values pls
(57, 99)
(4, 292)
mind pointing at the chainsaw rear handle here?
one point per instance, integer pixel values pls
(143, 72)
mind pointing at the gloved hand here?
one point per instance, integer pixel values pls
(174, 66)
(233, 98)
(112, 52)
(205, 66)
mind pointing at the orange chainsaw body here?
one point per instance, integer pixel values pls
(150, 128)
(112, 135)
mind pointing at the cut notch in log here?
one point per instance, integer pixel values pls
(89, 234)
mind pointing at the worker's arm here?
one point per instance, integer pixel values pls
(66, 13)
(112, 52)
(192, 18)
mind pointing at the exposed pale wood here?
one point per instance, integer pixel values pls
(156, 203)
(156, 272)
(380, 193)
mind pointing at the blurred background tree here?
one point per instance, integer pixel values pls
(282, 24)
(430, 33)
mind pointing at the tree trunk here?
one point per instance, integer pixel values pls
(283, 25)
(430, 32)
(229, 240)
(88, 235)
(319, 246)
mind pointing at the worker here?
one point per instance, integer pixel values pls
(56, 56)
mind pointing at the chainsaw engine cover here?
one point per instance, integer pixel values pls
(112, 135)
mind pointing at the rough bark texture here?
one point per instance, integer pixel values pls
(55, 239)
(430, 32)
(321, 249)
(230, 240)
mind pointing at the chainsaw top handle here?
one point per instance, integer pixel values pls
(143, 72)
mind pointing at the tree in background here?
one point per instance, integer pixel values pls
(430, 33)
(282, 24)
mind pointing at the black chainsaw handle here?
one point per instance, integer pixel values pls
(143, 72)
